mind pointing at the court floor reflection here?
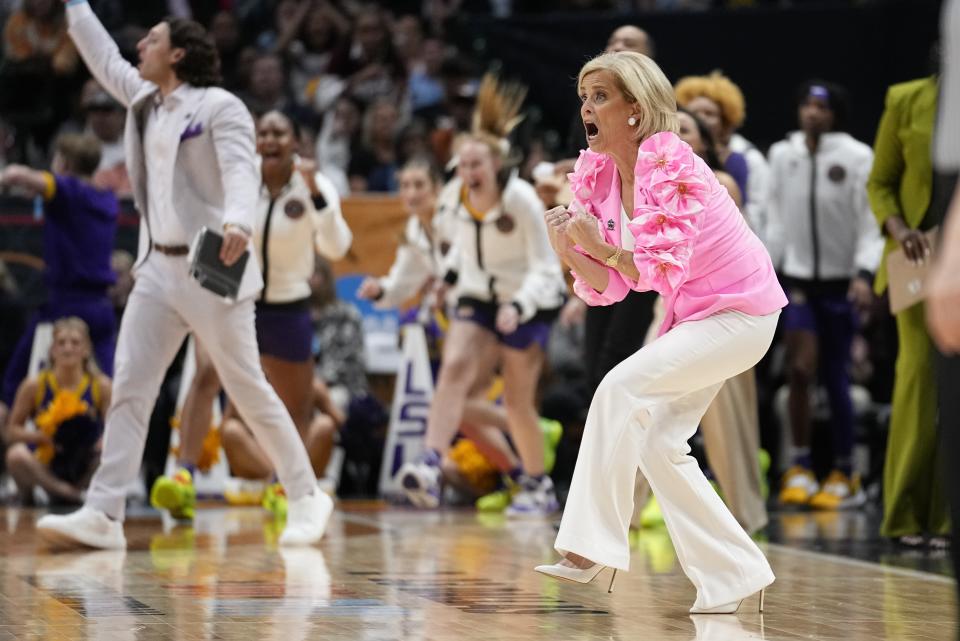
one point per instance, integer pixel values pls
(386, 573)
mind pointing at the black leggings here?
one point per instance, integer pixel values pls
(614, 332)
(948, 377)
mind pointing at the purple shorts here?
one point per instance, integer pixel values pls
(819, 308)
(284, 330)
(536, 330)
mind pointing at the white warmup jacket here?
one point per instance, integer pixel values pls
(290, 228)
(419, 259)
(821, 226)
(505, 257)
(758, 179)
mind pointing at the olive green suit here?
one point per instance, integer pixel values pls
(900, 184)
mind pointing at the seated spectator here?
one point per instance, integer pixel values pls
(104, 117)
(80, 222)
(368, 61)
(248, 460)
(413, 141)
(426, 89)
(67, 401)
(374, 166)
(267, 89)
(38, 32)
(225, 31)
(38, 69)
(308, 43)
(408, 40)
(339, 137)
(338, 335)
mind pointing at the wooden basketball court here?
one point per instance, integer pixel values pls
(389, 573)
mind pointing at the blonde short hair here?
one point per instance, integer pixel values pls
(642, 82)
(76, 324)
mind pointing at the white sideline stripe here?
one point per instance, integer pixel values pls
(890, 569)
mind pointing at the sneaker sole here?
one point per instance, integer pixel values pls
(415, 492)
(325, 520)
(532, 514)
(58, 539)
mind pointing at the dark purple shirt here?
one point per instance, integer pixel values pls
(736, 166)
(78, 233)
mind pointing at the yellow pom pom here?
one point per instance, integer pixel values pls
(474, 466)
(65, 405)
(210, 454)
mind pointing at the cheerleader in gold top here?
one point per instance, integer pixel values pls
(67, 402)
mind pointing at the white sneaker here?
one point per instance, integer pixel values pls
(420, 483)
(327, 486)
(307, 519)
(535, 498)
(87, 527)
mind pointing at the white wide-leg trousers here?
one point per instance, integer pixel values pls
(641, 417)
(166, 304)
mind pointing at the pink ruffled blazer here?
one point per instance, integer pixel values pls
(693, 246)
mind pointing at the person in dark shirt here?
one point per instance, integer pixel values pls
(80, 223)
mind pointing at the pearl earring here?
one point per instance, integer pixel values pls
(631, 121)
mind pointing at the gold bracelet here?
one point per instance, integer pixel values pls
(614, 259)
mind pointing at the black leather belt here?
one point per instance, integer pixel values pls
(172, 250)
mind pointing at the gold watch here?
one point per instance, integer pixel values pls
(614, 259)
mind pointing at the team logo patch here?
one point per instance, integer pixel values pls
(610, 224)
(294, 208)
(506, 223)
(444, 248)
(837, 174)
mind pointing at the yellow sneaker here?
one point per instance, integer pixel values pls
(651, 516)
(839, 492)
(275, 501)
(799, 485)
(496, 501)
(176, 494)
(552, 432)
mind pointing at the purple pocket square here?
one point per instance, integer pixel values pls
(191, 132)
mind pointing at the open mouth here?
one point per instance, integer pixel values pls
(591, 129)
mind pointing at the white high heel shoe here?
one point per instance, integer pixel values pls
(576, 575)
(726, 608)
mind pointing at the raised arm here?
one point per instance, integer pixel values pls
(38, 183)
(101, 53)
(332, 236)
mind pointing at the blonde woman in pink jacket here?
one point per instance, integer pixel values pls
(685, 239)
